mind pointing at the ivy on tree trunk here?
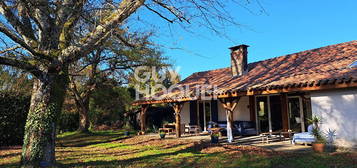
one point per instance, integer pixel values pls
(46, 103)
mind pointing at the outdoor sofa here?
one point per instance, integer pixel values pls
(240, 128)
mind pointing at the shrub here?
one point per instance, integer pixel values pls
(13, 113)
(67, 121)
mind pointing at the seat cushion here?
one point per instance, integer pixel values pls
(247, 124)
(222, 125)
(303, 137)
(250, 131)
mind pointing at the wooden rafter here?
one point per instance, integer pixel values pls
(276, 89)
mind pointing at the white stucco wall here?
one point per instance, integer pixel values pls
(338, 111)
(241, 113)
(185, 113)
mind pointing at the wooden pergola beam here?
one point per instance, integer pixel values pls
(177, 108)
(308, 88)
(305, 87)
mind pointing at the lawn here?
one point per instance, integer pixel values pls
(113, 149)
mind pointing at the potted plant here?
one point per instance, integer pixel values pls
(320, 140)
(162, 134)
(214, 137)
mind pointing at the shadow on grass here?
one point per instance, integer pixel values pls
(90, 138)
(148, 158)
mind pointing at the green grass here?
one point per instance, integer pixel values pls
(113, 149)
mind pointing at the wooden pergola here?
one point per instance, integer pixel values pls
(229, 101)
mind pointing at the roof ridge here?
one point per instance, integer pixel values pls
(210, 70)
(328, 46)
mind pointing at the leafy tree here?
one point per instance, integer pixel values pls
(112, 61)
(108, 105)
(44, 37)
(13, 80)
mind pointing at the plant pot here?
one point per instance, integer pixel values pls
(214, 139)
(162, 136)
(318, 147)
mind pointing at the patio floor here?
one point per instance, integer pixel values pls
(275, 144)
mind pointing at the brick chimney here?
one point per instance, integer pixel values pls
(239, 60)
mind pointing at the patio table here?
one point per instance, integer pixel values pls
(192, 128)
(267, 136)
(167, 130)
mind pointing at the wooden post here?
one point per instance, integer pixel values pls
(177, 108)
(229, 104)
(284, 112)
(252, 108)
(144, 109)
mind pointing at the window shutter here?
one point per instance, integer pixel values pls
(193, 112)
(201, 115)
(214, 110)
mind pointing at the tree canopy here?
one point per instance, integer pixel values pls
(45, 37)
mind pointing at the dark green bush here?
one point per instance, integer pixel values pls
(67, 121)
(13, 112)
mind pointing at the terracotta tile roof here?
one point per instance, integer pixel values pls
(325, 65)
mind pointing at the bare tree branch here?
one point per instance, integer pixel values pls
(9, 49)
(15, 22)
(158, 13)
(19, 41)
(173, 10)
(101, 32)
(21, 65)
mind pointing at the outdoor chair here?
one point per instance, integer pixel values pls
(304, 137)
(189, 129)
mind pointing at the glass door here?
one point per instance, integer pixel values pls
(263, 113)
(296, 115)
(204, 113)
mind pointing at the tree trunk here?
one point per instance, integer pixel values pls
(143, 121)
(83, 110)
(178, 124)
(229, 114)
(143, 111)
(40, 129)
(177, 108)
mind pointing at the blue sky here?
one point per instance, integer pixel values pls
(287, 26)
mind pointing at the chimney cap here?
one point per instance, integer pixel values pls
(238, 46)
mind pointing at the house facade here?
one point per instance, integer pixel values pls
(278, 94)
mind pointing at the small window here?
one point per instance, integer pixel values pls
(353, 65)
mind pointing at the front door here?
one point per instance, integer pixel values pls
(263, 113)
(275, 110)
(296, 115)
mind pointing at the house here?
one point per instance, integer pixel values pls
(280, 93)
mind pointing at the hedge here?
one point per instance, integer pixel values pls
(13, 112)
